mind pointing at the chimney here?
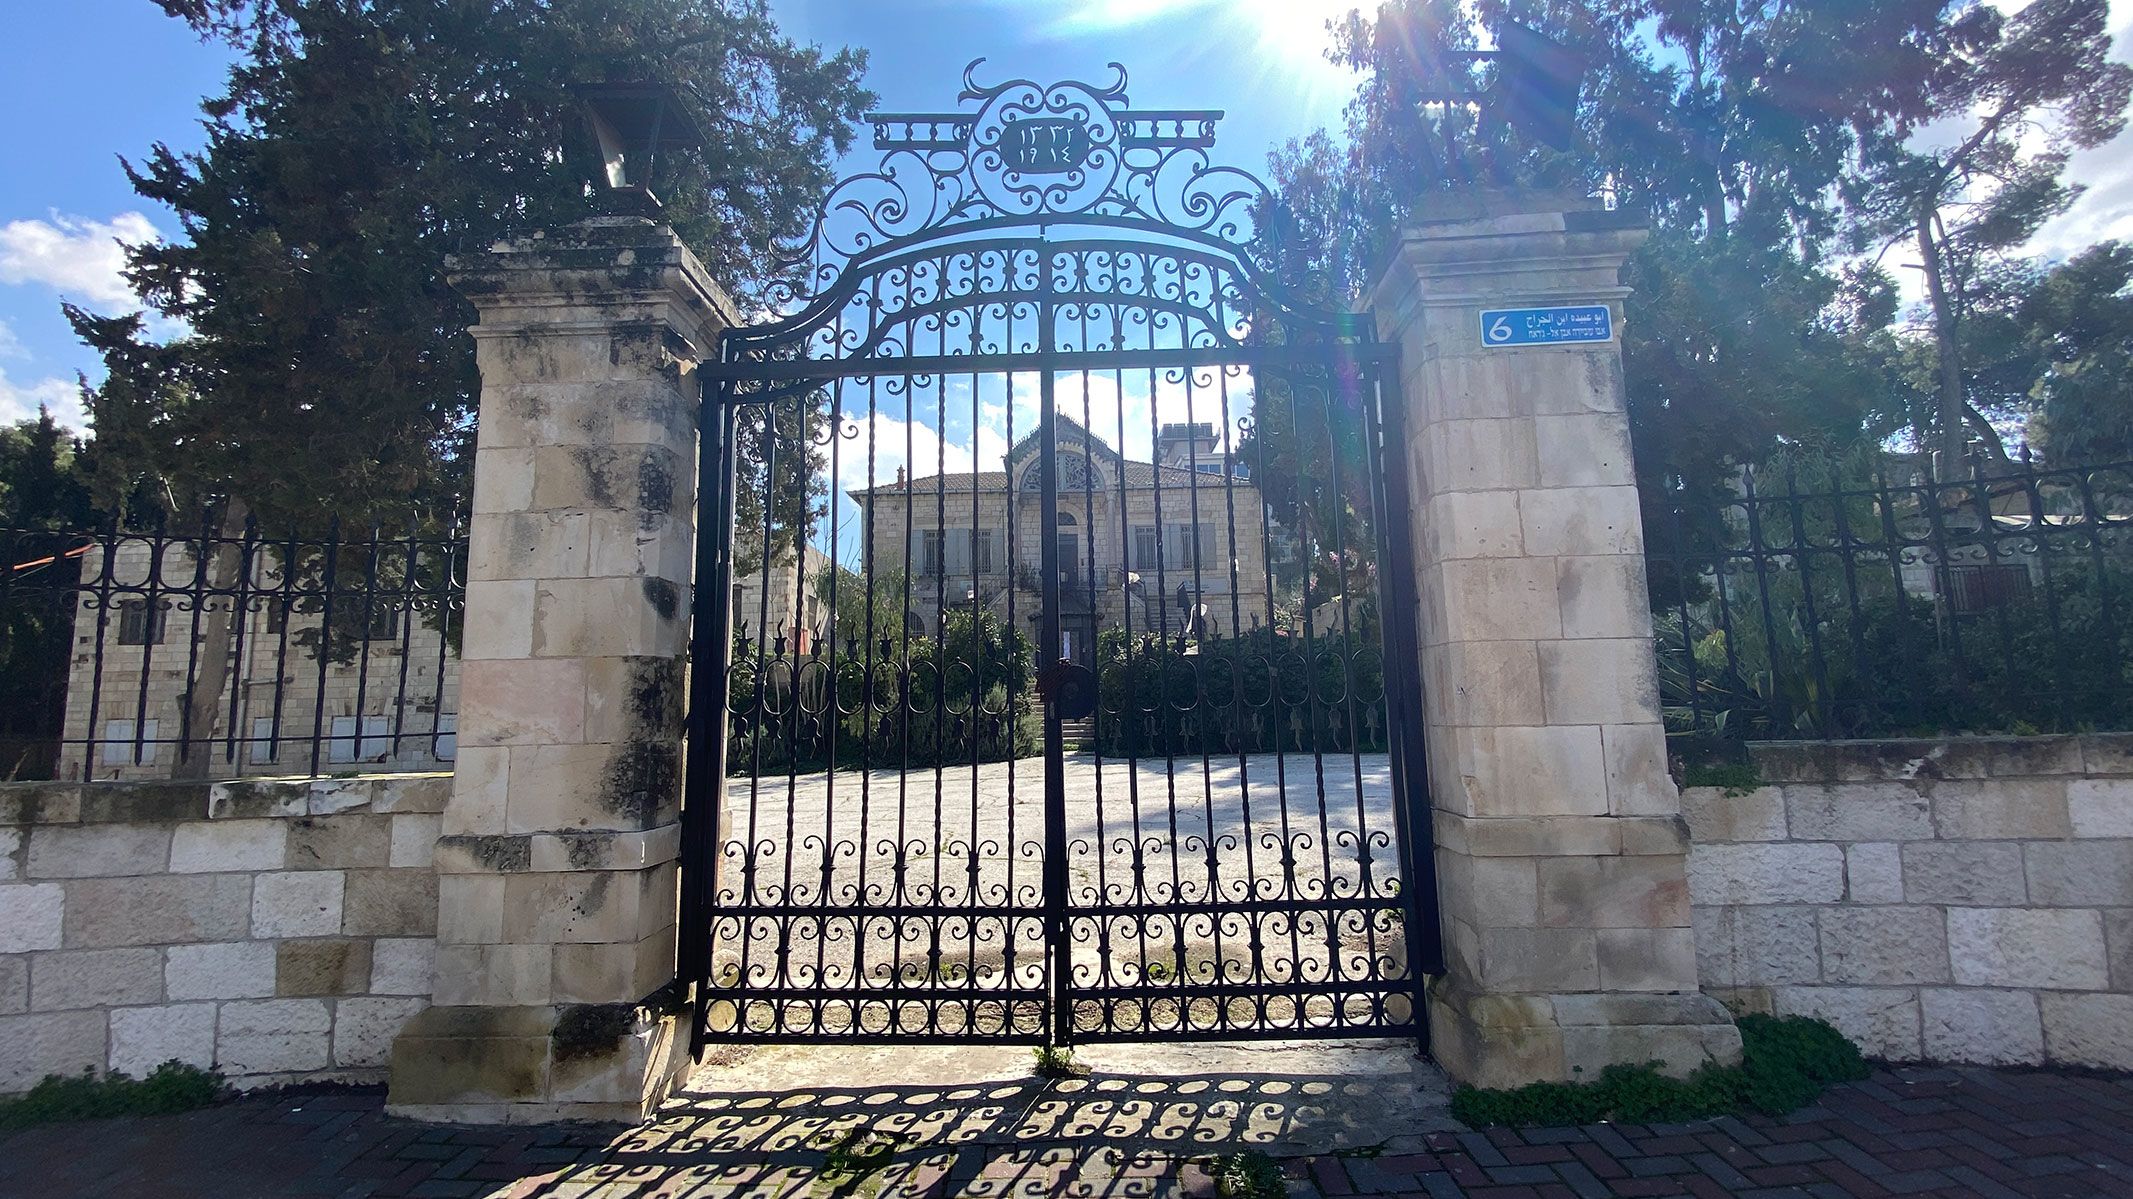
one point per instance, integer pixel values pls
(901, 480)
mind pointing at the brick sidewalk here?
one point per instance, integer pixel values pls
(1912, 1131)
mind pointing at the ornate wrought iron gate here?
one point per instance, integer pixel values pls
(1037, 439)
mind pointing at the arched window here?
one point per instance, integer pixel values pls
(914, 624)
(1076, 473)
(1066, 520)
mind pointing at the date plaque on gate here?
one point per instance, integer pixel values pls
(1046, 146)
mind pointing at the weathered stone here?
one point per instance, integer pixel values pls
(2080, 873)
(403, 966)
(169, 910)
(443, 1056)
(62, 1043)
(1715, 816)
(1540, 959)
(143, 802)
(1884, 945)
(1969, 873)
(1518, 771)
(321, 968)
(2001, 809)
(12, 843)
(31, 916)
(1616, 892)
(40, 803)
(274, 1036)
(143, 1038)
(414, 839)
(481, 791)
(1873, 873)
(1883, 1021)
(1647, 959)
(95, 978)
(338, 842)
(2026, 947)
(491, 975)
(554, 909)
(392, 903)
(297, 903)
(236, 970)
(1561, 522)
(98, 851)
(1857, 812)
(331, 797)
(470, 909)
(258, 798)
(2104, 754)
(2085, 1030)
(2118, 936)
(420, 794)
(1998, 1028)
(2101, 807)
(364, 1028)
(1606, 682)
(1923, 759)
(1774, 945)
(14, 984)
(213, 846)
(1763, 874)
(1638, 783)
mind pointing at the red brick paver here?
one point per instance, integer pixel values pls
(1929, 1132)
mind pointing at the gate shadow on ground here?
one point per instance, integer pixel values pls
(1148, 1121)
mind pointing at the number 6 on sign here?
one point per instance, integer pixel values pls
(1566, 325)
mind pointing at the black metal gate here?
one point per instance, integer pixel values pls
(1054, 653)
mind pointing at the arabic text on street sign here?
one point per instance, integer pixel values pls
(1547, 326)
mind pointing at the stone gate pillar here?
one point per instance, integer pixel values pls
(1561, 852)
(557, 868)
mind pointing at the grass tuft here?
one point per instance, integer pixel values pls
(1786, 1063)
(169, 1088)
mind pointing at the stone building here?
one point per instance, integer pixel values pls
(385, 693)
(1179, 545)
(783, 599)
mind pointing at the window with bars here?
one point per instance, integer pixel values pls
(1986, 587)
(139, 624)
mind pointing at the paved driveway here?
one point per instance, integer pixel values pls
(823, 1123)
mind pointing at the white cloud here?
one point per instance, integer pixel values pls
(10, 345)
(76, 256)
(19, 402)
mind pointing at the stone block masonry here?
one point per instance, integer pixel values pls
(276, 930)
(1957, 900)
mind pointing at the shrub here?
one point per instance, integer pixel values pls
(1786, 1062)
(169, 1088)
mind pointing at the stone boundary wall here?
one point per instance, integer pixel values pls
(1956, 900)
(281, 930)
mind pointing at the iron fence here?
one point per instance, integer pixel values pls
(213, 649)
(1852, 597)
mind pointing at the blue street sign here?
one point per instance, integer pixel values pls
(1547, 326)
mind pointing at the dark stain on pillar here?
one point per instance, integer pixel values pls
(664, 597)
(599, 489)
(642, 776)
(590, 1029)
(655, 487)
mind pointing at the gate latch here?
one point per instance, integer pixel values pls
(1070, 688)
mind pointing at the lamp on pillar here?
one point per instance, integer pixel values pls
(632, 124)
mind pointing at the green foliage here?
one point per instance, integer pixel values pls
(1786, 1062)
(1249, 1175)
(967, 696)
(1056, 1061)
(1737, 778)
(1260, 692)
(169, 1088)
(42, 489)
(357, 147)
(1893, 665)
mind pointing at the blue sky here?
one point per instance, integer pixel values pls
(64, 200)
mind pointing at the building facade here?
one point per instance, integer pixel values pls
(1178, 546)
